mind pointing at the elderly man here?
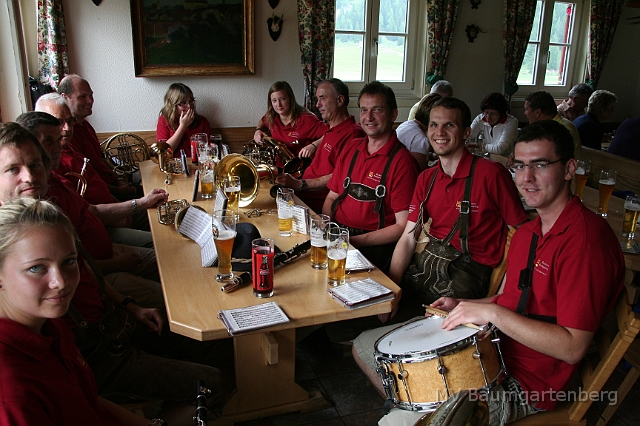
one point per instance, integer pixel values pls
(77, 91)
(381, 174)
(541, 106)
(143, 281)
(574, 260)
(601, 107)
(441, 87)
(120, 367)
(574, 106)
(333, 99)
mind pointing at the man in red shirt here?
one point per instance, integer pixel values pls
(77, 91)
(333, 99)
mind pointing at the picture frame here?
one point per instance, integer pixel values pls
(192, 37)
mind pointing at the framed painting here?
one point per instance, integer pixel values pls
(192, 37)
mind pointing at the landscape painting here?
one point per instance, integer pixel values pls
(192, 37)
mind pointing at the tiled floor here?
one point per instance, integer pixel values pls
(328, 368)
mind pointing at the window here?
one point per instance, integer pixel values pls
(551, 54)
(379, 40)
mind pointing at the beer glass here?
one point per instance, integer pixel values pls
(317, 228)
(206, 168)
(607, 182)
(223, 225)
(262, 252)
(631, 212)
(582, 175)
(337, 246)
(284, 201)
(231, 186)
(199, 142)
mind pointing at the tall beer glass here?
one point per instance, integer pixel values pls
(206, 167)
(284, 201)
(231, 186)
(631, 213)
(337, 246)
(223, 225)
(582, 175)
(317, 229)
(607, 182)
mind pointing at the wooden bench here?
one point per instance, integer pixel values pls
(628, 170)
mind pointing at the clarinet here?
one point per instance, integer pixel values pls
(201, 404)
(278, 259)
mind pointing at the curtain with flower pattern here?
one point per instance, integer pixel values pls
(316, 27)
(441, 18)
(53, 62)
(602, 27)
(518, 21)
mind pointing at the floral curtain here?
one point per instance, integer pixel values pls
(441, 17)
(518, 21)
(53, 62)
(602, 28)
(316, 33)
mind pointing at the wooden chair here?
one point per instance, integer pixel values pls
(497, 276)
(611, 350)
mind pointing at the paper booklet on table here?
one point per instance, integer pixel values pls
(361, 293)
(356, 262)
(196, 225)
(241, 320)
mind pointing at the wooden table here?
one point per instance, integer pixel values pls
(265, 359)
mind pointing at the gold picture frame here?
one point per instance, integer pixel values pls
(192, 37)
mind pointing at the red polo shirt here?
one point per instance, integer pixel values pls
(306, 129)
(326, 156)
(577, 277)
(91, 231)
(401, 179)
(495, 203)
(97, 191)
(164, 131)
(85, 141)
(44, 379)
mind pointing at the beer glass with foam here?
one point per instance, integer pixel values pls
(284, 201)
(231, 185)
(223, 225)
(631, 212)
(582, 175)
(317, 229)
(337, 246)
(607, 182)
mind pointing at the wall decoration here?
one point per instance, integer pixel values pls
(472, 32)
(273, 3)
(275, 26)
(192, 37)
(475, 3)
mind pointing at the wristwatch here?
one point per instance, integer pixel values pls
(157, 422)
(304, 186)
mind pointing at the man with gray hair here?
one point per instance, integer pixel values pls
(441, 87)
(601, 107)
(574, 106)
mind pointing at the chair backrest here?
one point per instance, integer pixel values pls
(497, 276)
(123, 152)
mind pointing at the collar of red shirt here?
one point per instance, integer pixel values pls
(385, 150)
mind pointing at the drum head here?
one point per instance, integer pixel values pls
(421, 336)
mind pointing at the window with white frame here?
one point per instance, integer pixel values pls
(379, 40)
(552, 52)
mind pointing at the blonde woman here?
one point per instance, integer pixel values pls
(179, 120)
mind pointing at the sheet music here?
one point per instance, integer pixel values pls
(356, 262)
(196, 225)
(361, 293)
(252, 317)
(221, 200)
(300, 214)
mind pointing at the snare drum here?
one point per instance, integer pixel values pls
(421, 365)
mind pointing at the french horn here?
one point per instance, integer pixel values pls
(162, 154)
(123, 152)
(250, 175)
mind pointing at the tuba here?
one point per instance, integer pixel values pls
(250, 175)
(162, 154)
(123, 152)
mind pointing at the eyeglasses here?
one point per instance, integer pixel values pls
(185, 104)
(535, 166)
(491, 114)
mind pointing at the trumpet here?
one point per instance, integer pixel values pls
(82, 181)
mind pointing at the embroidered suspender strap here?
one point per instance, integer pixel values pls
(465, 209)
(381, 189)
(526, 276)
(419, 226)
(345, 185)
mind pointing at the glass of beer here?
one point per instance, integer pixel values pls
(317, 229)
(337, 246)
(284, 200)
(582, 175)
(223, 225)
(631, 212)
(231, 185)
(607, 182)
(206, 168)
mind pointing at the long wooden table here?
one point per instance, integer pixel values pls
(264, 359)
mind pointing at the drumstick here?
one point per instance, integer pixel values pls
(444, 314)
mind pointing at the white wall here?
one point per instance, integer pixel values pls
(100, 50)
